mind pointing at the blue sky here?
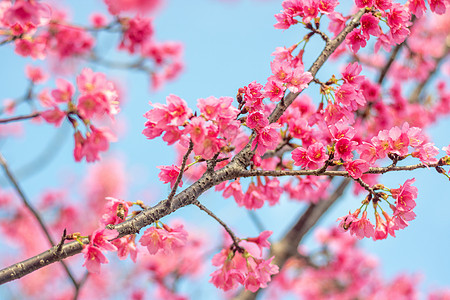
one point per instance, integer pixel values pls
(227, 45)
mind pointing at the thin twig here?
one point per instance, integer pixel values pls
(61, 243)
(180, 175)
(366, 186)
(19, 118)
(235, 239)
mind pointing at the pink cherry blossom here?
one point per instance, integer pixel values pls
(401, 218)
(234, 189)
(281, 71)
(369, 25)
(253, 197)
(272, 190)
(267, 138)
(98, 20)
(405, 196)
(364, 3)
(35, 48)
(356, 168)
(68, 41)
(356, 40)
(383, 4)
(117, 6)
(54, 116)
(259, 273)
(253, 96)
(351, 74)
(92, 104)
(438, 6)
(231, 271)
(398, 141)
(96, 141)
(137, 31)
(381, 228)
(93, 258)
(362, 227)
(64, 91)
(426, 153)
(236, 268)
(210, 107)
(299, 80)
(317, 153)
(284, 21)
(398, 16)
(417, 7)
(164, 239)
(116, 210)
(257, 120)
(27, 14)
(300, 157)
(344, 148)
(328, 6)
(100, 238)
(337, 22)
(274, 90)
(347, 220)
(169, 174)
(261, 241)
(35, 74)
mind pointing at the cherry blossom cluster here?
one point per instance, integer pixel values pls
(39, 30)
(210, 131)
(115, 212)
(256, 194)
(98, 241)
(342, 270)
(395, 15)
(244, 265)
(157, 239)
(97, 97)
(164, 239)
(401, 213)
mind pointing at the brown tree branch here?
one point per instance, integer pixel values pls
(331, 173)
